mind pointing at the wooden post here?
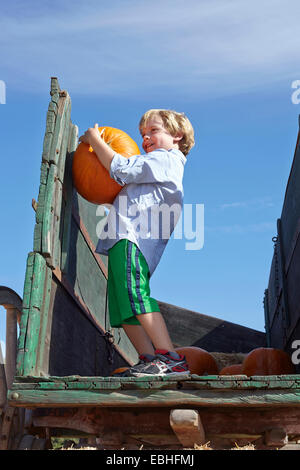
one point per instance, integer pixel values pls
(3, 385)
(188, 427)
(12, 303)
(276, 437)
(11, 343)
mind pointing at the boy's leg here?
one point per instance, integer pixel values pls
(164, 360)
(139, 314)
(155, 327)
(139, 339)
(152, 331)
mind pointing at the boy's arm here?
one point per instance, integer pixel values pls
(104, 153)
(153, 167)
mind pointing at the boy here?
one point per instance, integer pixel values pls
(150, 182)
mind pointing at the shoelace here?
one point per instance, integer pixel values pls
(163, 353)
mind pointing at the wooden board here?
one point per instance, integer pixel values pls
(282, 297)
(189, 328)
(77, 346)
(158, 391)
(122, 428)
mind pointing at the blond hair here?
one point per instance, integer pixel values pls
(174, 122)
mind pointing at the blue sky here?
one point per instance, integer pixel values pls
(228, 65)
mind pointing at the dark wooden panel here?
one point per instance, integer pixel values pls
(216, 422)
(291, 204)
(76, 345)
(283, 288)
(84, 274)
(293, 288)
(274, 288)
(277, 331)
(87, 213)
(189, 328)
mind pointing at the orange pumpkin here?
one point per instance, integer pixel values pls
(200, 362)
(90, 178)
(119, 370)
(267, 361)
(234, 369)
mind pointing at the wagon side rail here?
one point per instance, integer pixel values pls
(64, 327)
(12, 303)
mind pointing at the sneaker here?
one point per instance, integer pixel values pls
(143, 359)
(164, 363)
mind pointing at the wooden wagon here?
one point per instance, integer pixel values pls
(58, 382)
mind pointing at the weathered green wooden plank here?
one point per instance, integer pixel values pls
(206, 377)
(25, 312)
(38, 279)
(53, 108)
(33, 320)
(68, 199)
(65, 137)
(50, 126)
(43, 340)
(51, 119)
(93, 386)
(28, 280)
(48, 212)
(52, 386)
(282, 377)
(58, 105)
(63, 114)
(55, 88)
(53, 194)
(57, 209)
(157, 398)
(43, 182)
(60, 158)
(32, 301)
(73, 138)
(98, 380)
(40, 208)
(55, 99)
(242, 385)
(155, 382)
(37, 239)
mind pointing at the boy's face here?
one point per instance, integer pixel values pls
(156, 136)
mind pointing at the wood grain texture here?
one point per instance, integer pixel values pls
(158, 391)
(142, 398)
(282, 295)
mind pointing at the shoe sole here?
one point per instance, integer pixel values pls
(171, 374)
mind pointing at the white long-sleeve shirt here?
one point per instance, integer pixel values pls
(149, 205)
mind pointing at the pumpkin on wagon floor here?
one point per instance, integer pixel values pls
(200, 362)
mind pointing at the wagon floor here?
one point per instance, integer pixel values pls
(283, 390)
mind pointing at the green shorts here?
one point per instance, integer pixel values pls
(128, 285)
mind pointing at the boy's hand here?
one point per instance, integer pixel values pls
(91, 136)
